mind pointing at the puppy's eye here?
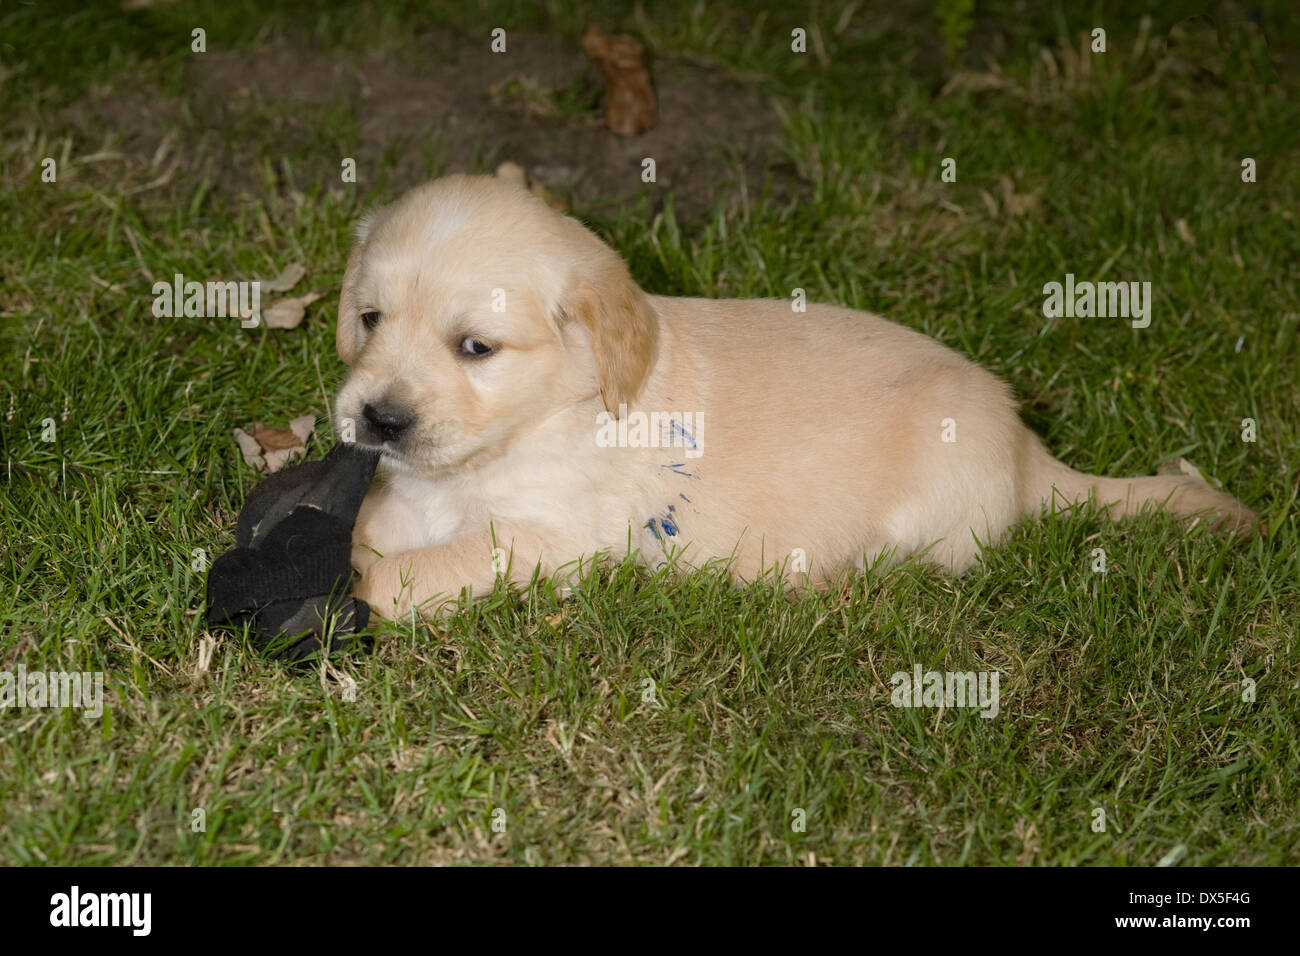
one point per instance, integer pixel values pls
(370, 319)
(474, 348)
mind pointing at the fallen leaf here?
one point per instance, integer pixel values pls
(286, 318)
(1184, 232)
(1016, 203)
(289, 277)
(269, 449)
(629, 95)
(288, 313)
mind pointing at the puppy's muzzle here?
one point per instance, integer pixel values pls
(387, 422)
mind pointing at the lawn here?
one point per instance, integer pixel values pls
(648, 719)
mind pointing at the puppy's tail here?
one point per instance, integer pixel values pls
(1187, 495)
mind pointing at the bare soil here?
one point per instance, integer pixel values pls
(451, 105)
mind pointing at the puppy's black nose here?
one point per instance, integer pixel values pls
(387, 421)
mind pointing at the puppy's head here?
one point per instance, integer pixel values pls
(471, 311)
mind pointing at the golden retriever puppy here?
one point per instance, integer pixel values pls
(536, 407)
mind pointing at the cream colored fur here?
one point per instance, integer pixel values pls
(820, 437)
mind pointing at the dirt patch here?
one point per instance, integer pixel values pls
(451, 105)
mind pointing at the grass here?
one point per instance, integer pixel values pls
(1121, 692)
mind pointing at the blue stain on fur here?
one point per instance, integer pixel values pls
(679, 430)
(669, 523)
(665, 524)
(679, 468)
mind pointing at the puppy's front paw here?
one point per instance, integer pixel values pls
(381, 586)
(392, 589)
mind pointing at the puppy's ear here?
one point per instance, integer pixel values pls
(623, 326)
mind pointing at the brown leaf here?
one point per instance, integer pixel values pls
(269, 449)
(1016, 203)
(289, 277)
(629, 95)
(1184, 232)
(288, 313)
